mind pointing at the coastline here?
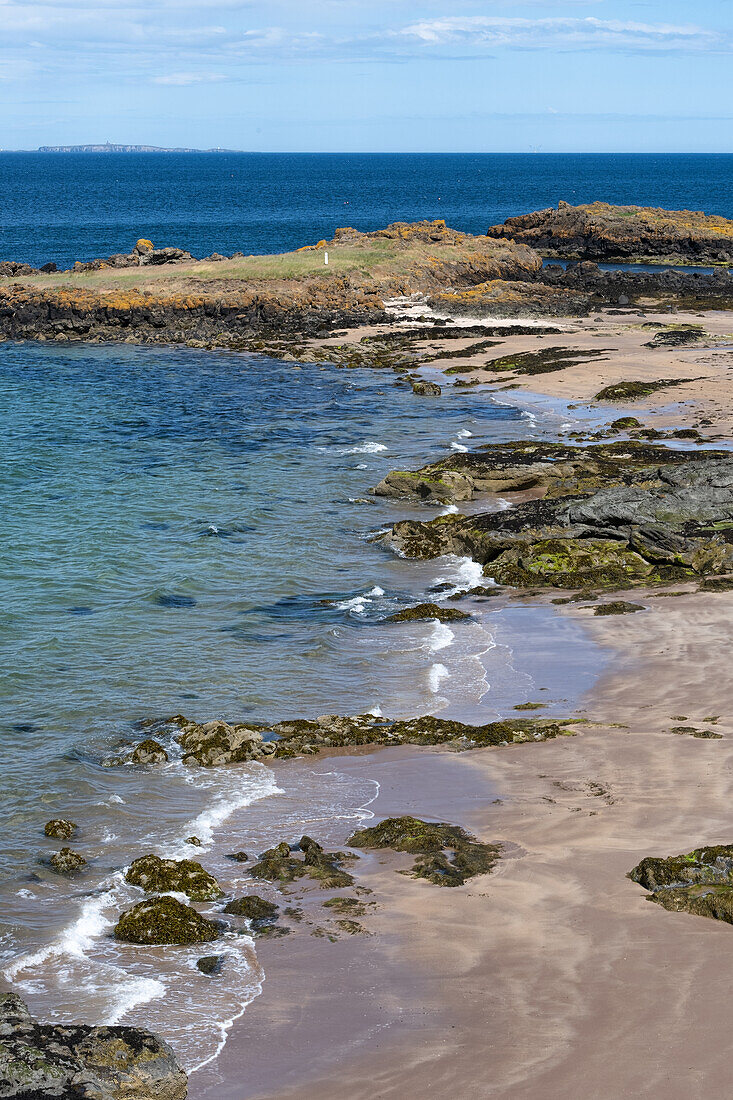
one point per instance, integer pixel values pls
(494, 988)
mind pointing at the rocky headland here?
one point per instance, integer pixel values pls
(600, 231)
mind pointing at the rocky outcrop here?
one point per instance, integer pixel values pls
(81, 1062)
(165, 920)
(600, 231)
(698, 882)
(184, 876)
(552, 469)
(447, 855)
(305, 737)
(649, 523)
(220, 743)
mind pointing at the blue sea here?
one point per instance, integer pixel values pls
(67, 207)
(189, 531)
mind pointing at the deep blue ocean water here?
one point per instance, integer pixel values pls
(67, 207)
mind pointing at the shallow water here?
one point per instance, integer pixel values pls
(191, 532)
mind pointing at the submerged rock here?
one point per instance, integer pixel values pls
(430, 841)
(426, 389)
(165, 920)
(60, 829)
(212, 965)
(75, 1061)
(185, 876)
(67, 862)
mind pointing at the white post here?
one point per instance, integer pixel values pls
(325, 258)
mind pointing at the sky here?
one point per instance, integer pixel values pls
(370, 75)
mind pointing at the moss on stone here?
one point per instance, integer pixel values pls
(568, 563)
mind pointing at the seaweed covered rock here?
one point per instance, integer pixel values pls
(644, 518)
(617, 607)
(448, 856)
(280, 865)
(60, 829)
(252, 907)
(219, 742)
(712, 866)
(165, 920)
(73, 1061)
(67, 862)
(185, 876)
(148, 752)
(422, 611)
(426, 389)
(633, 390)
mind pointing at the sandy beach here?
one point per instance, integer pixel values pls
(552, 976)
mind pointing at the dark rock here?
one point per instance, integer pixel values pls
(423, 611)
(430, 841)
(252, 907)
(426, 389)
(238, 857)
(185, 876)
(212, 965)
(716, 584)
(72, 1062)
(165, 920)
(60, 829)
(617, 607)
(193, 840)
(67, 862)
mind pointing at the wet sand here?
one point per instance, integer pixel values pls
(554, 975)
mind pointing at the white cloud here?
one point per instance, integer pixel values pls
(181, 80)
(486, 32)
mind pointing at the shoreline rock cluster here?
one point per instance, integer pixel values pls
(609, 515)
(74, 1061)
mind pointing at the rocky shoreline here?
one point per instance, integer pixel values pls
(598, 516)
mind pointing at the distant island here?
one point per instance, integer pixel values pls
(108, 147)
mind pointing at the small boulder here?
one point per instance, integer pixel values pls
(426, 389)
(427, 611)
(253, 908)
(165, 920)
(148, 752)
(60, 829)
(238, 857)
(143, 245)
(211, 965)
(185, 876)
(67, 862)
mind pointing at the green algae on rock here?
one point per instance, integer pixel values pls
(185, 876)
(77, 1060)
(631, 391)
(699, 882)
(422, 611)
(60, 829)
(543, 361)
(165, 920)
(430, 841)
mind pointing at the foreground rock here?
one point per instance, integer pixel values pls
(165, 920)
(185, 876)
(621, 515)
(466, 858)
(75, 1061)
(699, 882)
(599, 231)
